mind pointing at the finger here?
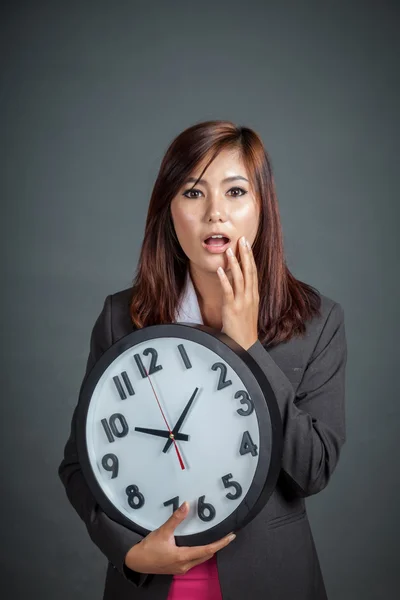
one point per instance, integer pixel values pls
(254, 270)
(172, 523)
(238, 280)
(201, 552)
(226, 286)
(247, 267)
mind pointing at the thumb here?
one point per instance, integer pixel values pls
(177, 517)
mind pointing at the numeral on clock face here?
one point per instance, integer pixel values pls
(119, 385)
(135, 498)
(245, 399)
(247, 445)
(205, 510)
(222, 382)
(175, 503)
(114, 464)
(153, 366)
(184, 356)
(111, 428)
(235, 484)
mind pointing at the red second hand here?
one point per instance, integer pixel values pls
(168, 427)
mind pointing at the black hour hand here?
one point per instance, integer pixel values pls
(179, 422)
(161, 433)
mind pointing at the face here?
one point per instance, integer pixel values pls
(215, 205)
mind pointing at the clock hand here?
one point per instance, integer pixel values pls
(163, 434)
(179, 422)
(168, 427)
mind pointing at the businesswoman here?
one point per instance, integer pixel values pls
(213, 253)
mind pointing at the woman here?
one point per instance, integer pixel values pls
(216, 178)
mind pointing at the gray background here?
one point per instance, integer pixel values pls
(92, 93)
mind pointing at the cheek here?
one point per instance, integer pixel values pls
(246, 219)
(185, 224)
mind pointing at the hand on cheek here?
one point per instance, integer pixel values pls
(241, 301)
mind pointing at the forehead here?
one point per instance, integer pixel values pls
(228, 163)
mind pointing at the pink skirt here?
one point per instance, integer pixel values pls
(199, 583)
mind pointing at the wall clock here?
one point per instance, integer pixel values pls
(176, 412)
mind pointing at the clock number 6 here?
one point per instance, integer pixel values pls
(235, 484)
(203, 508)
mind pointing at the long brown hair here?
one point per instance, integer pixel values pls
(285, 302)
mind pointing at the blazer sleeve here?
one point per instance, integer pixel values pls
(110, 537)
(313, 419)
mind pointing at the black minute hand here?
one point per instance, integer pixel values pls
(179, 422)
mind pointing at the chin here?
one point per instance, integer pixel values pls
(209, 262)
(214, 262)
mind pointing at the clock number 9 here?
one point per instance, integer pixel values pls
(235, 484)
(113, 468)
(202, 507)
(132, 491)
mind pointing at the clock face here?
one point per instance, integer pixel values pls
(211, 402)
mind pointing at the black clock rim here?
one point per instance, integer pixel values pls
(267, 412)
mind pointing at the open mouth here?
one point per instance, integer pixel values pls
(216, 244)
(217, 241)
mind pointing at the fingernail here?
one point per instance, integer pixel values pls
(243, 241)
(248, 245)
(231, 537)
(183, 506)
(229, 251)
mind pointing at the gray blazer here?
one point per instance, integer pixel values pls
(273, 557)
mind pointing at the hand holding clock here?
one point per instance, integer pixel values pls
(157, 553)
(240, 304)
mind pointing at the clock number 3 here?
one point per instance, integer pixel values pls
(245, 399)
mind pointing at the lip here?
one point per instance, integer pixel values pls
(216, 249)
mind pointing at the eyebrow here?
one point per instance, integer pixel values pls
(204, 182)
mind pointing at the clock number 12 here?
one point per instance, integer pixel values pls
(153, 366)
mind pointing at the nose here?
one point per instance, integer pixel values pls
(216, 209)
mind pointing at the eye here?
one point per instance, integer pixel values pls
(238, 188)
(189, 192)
